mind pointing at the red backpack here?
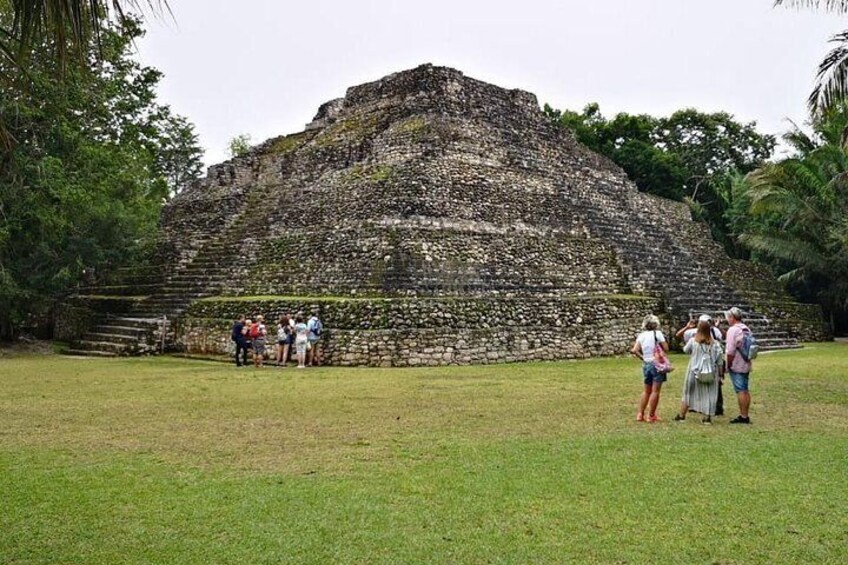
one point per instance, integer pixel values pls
(254, 331)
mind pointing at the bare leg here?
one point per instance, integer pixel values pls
(285, 354)
(744, 398)
(643, 400)
(654, 399)
(684, 409)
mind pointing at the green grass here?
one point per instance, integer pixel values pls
(164, 460)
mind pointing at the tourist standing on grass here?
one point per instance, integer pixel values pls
(316, 328)
(738, 367)
(650, 338)
(240, 341)
(301, 341)
(258, 331)
(686, 333)
(284, 332)
(703, 374)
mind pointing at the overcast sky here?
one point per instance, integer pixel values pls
(263, 67)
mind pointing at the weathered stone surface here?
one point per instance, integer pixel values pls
(430, 185)
(412, 331)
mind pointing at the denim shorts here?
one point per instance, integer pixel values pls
(740, 381)
(649, 372)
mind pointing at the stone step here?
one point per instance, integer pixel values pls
(781, 347)
(111, 337)
(89, 353)
(105, 346)
(125, 330)
(141, 322)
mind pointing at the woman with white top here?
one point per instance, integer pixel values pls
(649, 339)
(301, 341)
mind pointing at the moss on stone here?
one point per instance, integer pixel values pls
(351, 129)
(288, 143)
(414, 125)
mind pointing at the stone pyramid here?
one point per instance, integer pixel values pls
(432, 218)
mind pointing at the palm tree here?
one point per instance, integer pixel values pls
(832, 76)
(68, 25)
(798, 211)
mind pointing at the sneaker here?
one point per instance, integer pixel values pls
(706, 420)
(640, 417)
(679, 418)
(740, 420)
(654, 418)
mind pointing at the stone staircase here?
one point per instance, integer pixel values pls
(144, 327)
(657, 257)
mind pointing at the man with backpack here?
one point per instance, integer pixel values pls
(241, 342)
(741, 348)
(315, 328)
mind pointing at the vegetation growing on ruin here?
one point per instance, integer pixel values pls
(415, 126)
(289, 143)
(351, 129)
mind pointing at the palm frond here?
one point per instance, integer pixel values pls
(801, 253)
(793, 275)
(836, 6)
(72, 24)
(799, 140)
(831, 78)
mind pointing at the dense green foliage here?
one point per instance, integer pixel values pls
(689, 155)
(93, 157)
(794, 214)
(162, 460)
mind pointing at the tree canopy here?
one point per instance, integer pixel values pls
(94, 158)
(689, 155)
(795, 214)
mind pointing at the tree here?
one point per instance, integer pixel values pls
(797, 214)
(69, 27)
(65, 29)
(832, 77)
(95, 158)
(689, 156)
(239, 145)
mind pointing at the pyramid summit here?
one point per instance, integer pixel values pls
(433, 218)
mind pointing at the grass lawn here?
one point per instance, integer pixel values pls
(165, 460)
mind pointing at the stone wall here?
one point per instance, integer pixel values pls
(411, 332)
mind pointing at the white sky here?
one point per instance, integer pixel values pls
(263, 67)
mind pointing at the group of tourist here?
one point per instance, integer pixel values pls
(295, 335)
(709, 362)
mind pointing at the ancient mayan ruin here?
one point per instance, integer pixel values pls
(432, 219)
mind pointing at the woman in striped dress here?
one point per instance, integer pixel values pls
(700, 396)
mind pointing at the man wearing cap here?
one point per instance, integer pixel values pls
(738, 367)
